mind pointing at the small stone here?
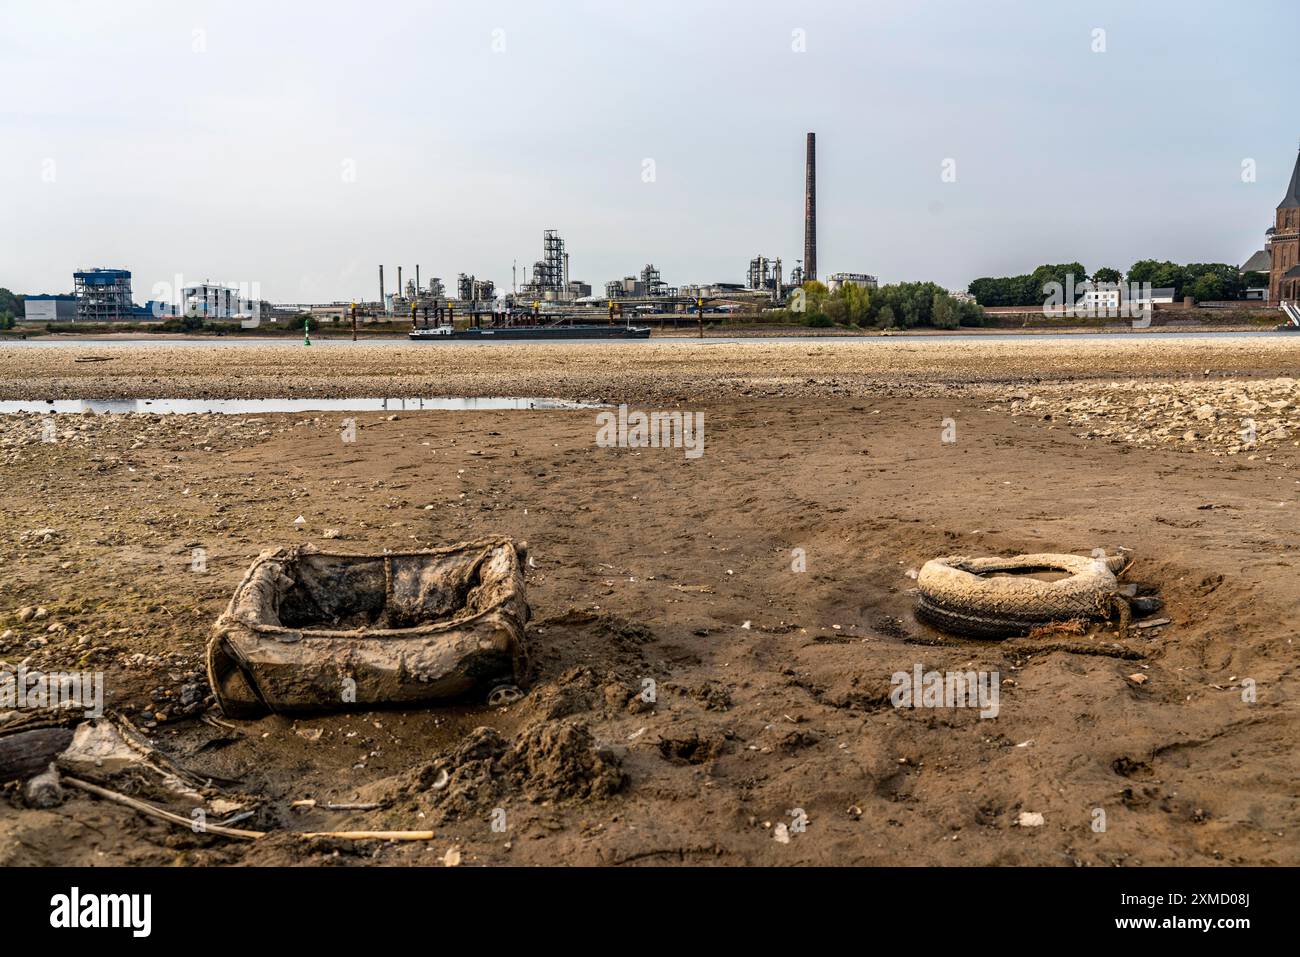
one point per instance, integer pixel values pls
(44, 790)
(1029, 819)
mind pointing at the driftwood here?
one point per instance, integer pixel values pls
(26, 753)
(144, 807)
(113, 745)
(374, 835)
(162, 814)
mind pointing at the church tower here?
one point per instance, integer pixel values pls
(1284, 244)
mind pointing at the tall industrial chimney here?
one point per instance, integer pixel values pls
(381, 286)
(417, 280)
(810, 212)
(400, 291)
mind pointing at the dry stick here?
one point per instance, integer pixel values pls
(374, 835)
(145, 808)
(313, 803)
(218, 723)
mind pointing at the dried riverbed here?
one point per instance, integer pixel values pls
(762, 587)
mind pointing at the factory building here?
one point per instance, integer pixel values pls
(49, 308)
(714, 290)
(470, 289)
(550, 282)
(103, 295)
(764, 275)
(839, 279)
(216, 301)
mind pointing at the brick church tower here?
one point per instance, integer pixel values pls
(1284, 244)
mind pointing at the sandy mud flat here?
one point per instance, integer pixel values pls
(765, 587)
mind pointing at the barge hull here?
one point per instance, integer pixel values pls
(532, 332)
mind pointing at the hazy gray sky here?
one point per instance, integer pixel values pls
(299, 145)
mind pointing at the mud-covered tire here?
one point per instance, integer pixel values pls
(502, 696)
(954, 596)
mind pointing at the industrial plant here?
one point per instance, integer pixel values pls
(544, 289)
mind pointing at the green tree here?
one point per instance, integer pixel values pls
(943, 311)
(11, 308)
(815, 294)
(970, 314)
(1206, 287)
(1061, 273)
(1216, 280)
(1025, 290)
(1160, 274)
(1107, 274)
(857, 303)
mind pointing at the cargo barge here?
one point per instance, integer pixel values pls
(445, 333)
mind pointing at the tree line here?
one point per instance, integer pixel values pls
(896, 306)
(1202, 281)
(11, 308)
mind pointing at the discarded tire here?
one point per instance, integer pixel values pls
(308, 630)
(956, 597)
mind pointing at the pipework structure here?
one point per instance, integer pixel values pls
(103, 295)
(550, 273)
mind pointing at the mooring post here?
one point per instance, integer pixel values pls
(306, 331)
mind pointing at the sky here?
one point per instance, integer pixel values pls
(299, 145)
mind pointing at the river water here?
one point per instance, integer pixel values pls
(109, 344)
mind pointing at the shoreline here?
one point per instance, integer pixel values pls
(666, 372)
(688, 329)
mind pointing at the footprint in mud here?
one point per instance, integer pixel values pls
(1127, 767)
(691, 749)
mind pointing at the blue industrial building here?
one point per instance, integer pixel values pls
(103, 295)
